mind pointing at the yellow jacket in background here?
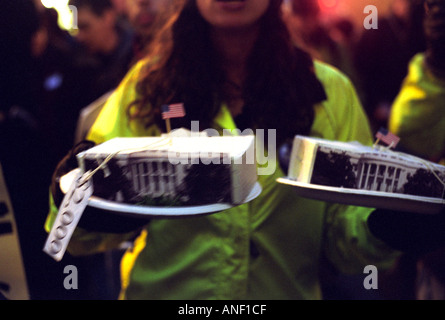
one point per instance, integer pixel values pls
(418, 113)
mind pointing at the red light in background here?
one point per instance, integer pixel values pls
(327, 4)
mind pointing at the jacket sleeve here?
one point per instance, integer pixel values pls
(347, 243)
(111, 122)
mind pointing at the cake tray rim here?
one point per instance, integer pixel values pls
(168, 212)
(158, 211)
(366, 198)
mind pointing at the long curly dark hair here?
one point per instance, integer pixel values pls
(279, 92)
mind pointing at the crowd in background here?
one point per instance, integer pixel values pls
(49, 75)
(375, 60)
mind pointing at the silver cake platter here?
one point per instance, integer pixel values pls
(365, 198)
(167, 212)
(157, 211)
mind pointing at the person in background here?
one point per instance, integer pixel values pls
(108, 44)
(382, 55)
(216, 57)
(119, 6)
(332, 41)
(308, 31)
(418, 118)
(141, 15)
(61, 83)
(25, 153)
(417, 115)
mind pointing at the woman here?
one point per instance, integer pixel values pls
(232, 64)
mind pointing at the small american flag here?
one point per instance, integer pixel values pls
(387, 137)
(173, 111)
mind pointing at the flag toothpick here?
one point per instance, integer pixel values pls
(172, 111)
(386, 137)
(169, 127)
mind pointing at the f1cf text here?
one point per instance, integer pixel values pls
(226, 310)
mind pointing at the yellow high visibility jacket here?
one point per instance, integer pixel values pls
(269, 248)
(418, 112)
